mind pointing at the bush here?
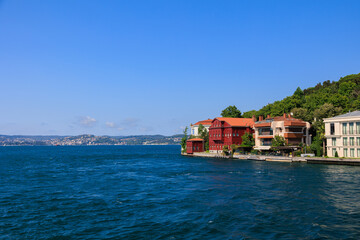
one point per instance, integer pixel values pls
(336, 154)
(297, 153)
(255, 152)
(226, 150)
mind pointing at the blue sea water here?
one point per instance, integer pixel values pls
(152, 192)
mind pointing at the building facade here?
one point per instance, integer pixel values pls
(194, 128)
(227, 131)
(342, 135)
(194, 145)
(295, 131)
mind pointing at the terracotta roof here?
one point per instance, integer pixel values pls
(195, 139)
(238, 122)
(204, 122)
(289, 121)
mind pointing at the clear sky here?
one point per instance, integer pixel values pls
(152, 67)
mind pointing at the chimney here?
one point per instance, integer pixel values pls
(261, 118)
(284, 115)
(268, 116)
(254, 118)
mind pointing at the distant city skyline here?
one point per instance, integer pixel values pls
(153, 67)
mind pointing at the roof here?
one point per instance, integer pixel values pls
(204, 122)
(350, 114)
(237, 122)
(289, 120)
(195, 139)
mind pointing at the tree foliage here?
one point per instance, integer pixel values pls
(344, 95)
(278, 141)
(247, 140)
(231, 111)
(183, 140)
(204, 134)
(313, 104)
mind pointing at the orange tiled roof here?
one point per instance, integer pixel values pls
(195, 139)
(238, 122)
(204, 122)
(288, 121)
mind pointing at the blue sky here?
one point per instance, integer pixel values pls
(152, 67)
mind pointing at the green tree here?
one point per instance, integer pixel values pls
(302, 113)
(278, 141)
(183, 140)
(249, 114)
(204, 134)
(226, 149)
(231, 111)
(247, 140)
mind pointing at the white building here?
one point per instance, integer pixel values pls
(195, 127)
(294, 131)
(343, 135)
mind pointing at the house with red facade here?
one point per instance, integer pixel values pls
(195, 145)
(227, 131)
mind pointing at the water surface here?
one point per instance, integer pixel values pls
(151, 192)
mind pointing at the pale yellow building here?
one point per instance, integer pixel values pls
(343, 135)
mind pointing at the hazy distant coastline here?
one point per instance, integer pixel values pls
(88, 139)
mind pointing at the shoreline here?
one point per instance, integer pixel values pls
(309, 160)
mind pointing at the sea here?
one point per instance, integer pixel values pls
(152, 192)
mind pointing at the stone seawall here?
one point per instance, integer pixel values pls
(311, 160)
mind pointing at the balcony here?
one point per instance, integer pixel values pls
(293, 135)
(266, 132)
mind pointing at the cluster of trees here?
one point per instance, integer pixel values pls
(313, 104)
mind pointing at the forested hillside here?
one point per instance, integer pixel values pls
(326, 99)
(336, 97)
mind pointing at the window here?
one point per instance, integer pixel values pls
(351, 128)
(358, 128)
(345, 141)
(352, 152)
(358, 152)
(352, 141)
(333, 152)
(333, 141)
(233, 134)
(344, 128)
(237, 134)
(332, 129)
(345, 152)
(358, 141)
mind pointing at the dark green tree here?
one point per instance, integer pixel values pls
(247, 140)
(231, 111)
(183, 140)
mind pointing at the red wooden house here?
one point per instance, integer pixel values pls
(227, 131)
(194, 145)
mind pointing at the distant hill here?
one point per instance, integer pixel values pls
(88, 139)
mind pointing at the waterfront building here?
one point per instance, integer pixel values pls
(195, 127)
(194, 145)
(294, 131)
(227, 131)
(342, 135)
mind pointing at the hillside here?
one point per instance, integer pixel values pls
(335, 97)
(313, 104)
